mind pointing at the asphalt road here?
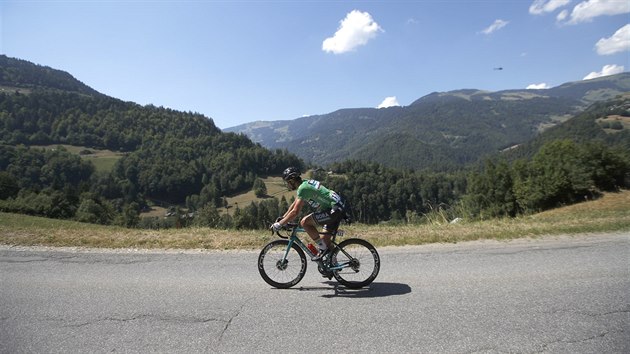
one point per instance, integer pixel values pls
(561, 294)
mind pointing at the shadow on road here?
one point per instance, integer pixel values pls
(374, 290)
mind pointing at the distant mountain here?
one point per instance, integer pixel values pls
(438, 131)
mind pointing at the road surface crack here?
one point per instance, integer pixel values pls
(176, 319)
(229, 322)
(545, 346)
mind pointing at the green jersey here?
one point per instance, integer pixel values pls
(316, 195)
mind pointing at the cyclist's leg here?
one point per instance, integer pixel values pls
(330, 221)
(328, 230)
(310, 226)
(327, 237)
(311, 222)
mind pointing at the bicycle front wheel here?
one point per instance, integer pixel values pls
(279, 271)
(357, 261)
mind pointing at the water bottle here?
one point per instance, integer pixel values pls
(312, 248)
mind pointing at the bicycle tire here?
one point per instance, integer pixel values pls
(362, 259)
(277, 274)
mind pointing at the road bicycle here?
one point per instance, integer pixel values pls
(282, 263)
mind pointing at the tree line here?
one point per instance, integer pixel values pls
(58, 184)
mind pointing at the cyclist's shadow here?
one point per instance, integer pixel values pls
(375, 289)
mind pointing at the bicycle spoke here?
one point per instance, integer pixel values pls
(357, 263)
(279, 271)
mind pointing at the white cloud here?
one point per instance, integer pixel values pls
(540, 86)
(606, 70)
(389, 102)
(497, 25)
(587, 10)
(562, 15)
(619, 42)
(355, 30)
(539, 7)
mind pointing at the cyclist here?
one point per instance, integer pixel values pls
(329, 208)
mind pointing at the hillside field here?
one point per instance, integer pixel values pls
(275, 189)
(103, 160)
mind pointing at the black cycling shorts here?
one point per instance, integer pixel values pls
(329, 219)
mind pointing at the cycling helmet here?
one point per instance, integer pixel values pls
(291, 173)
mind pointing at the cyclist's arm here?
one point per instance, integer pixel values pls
(293, 212)
(289, 210)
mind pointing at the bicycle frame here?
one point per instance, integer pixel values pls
(293, 238)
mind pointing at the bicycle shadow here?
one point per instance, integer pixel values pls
(375, 289)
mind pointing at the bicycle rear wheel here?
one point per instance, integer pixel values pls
(359, 261)
(279, 273)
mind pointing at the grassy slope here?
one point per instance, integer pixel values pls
(103, 160)
(611, 213)
(275, 188)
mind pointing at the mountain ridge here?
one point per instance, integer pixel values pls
(464, 124)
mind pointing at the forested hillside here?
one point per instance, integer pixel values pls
(170, 156)
(21, 75)
(568, 163)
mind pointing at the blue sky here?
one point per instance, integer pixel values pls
(242, 61)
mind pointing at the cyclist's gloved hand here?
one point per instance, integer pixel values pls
(276, 226)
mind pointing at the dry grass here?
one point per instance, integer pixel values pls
(31, 231)
(608, 214)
